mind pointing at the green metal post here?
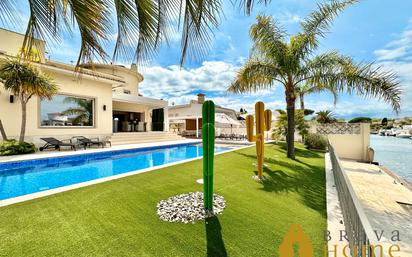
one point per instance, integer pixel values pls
(208, 139)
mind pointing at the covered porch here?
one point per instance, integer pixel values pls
(138, 114)
(191, 126)
(186, 126)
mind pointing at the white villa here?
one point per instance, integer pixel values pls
(187, 118)
(106, 98)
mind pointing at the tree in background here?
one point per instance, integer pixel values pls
(406, 121)
(325, 117)
(306, 89)
(25, 81)
(308, 112)
(361, 120)
(384, 122)
(279, 59)
(281, 125)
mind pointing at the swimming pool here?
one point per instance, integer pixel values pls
(26, 177)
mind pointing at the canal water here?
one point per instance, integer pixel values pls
(394, 153)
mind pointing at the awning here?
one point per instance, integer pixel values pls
(225, 119)
(156, 103)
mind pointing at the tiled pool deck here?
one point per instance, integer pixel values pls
(381, 196)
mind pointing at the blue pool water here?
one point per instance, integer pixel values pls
(21, 178)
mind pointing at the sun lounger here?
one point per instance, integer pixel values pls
(86, 142)
(106, 141)
(53, 143)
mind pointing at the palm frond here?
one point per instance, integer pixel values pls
(321, 62)
(326, 116)
(199, 18)
(8, 9)
(309, 88)
(247, 5)
(42, 25)
(49, 18)
(364, 79)
(254, 75)
(268, 40)
(74, 111)
(25, 80)
(316, 25)
(150, 26)
(93, 20)
(127, 30)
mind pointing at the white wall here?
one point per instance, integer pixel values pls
(10, 113)
(352, 146)
(11, 43)
(185, 111)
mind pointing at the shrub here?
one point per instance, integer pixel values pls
(361, 120)
(13, 147)
(316, 141)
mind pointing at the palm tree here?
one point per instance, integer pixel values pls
(141, 25)
(277, 60)
(25, 81)
(2, 131)
(305, 89)
(325, 117)
(83, 111)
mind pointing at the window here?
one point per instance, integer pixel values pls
(67, 111)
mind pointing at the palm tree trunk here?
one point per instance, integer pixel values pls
(302, 107)
(23, 120)
(3, 133)
(290, 107)
(302, 101)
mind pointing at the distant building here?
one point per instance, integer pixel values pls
(187, 118)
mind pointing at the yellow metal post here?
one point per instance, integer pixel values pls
(263, 123)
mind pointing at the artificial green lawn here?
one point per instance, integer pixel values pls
(118, 218)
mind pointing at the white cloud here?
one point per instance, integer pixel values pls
(399, 48)
(397, 56)
(175, 81)
(348, 108)
(289, 18)
(390, 54)
(179, 85)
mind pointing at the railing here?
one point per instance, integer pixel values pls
(358, 229)
(339, 128)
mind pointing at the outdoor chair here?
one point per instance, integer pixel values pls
(53, 143)
(86, 142)
(106, 140)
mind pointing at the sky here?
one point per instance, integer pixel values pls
(377, 31)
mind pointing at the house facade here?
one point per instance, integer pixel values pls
(187, 118)
(97, 100)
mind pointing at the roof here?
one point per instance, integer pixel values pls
(195, 102)
(93, 66)
(119, 97)
(82, 71)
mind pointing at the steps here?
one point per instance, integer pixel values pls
(126, 138)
